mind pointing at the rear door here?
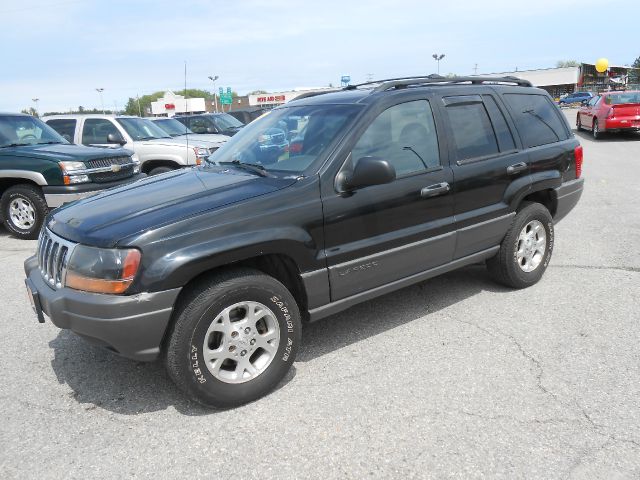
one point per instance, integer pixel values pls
(383, 233)
(487, 161)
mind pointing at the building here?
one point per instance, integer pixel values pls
(272, 100)
(584, 77)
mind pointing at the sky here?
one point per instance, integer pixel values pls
(60, 51)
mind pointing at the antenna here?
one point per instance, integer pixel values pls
(186, 102)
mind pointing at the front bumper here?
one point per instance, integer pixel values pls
(132, 326)
(59, 195)
(566, 197)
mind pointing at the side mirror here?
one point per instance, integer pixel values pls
(369, 171)
(115, 138)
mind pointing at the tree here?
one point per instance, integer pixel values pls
(257, 92)
(80, 110)
(567, 63)
(30, 111)
(634, 73)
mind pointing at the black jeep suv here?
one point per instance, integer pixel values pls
(214, 269)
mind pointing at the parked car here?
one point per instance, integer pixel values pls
(610, 112)
(40, 170)
(207, 123)
(156, 150)
(576, 97)
(214, 269)
(248, 115)
(178, 130)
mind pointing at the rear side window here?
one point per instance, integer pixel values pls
(64, 126)
(96, 130)
(472, 130)
(500, 127)
(537, 119)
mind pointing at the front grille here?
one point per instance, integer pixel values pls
(103, 177)
(107, 162)
(53, 254)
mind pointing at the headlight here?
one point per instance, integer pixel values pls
(70, 167)
(136, 163)
(102, 270)
(201, 153)
(69, 172)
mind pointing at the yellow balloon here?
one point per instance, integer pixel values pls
(602, 64)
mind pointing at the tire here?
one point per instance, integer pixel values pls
(159, 170)
(578, 123)
(519, 264)
(23, 211)
(271, 341)
(595, 130)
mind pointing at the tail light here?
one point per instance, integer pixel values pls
(578, 154)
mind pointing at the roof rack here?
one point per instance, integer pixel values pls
(435, 79)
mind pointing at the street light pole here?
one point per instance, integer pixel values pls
(100, 90)
(35, 102)
(437, 58)
(215, 94)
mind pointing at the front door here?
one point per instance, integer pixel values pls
(379, 234)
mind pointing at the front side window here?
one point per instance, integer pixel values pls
(172, 126)
(18, 130)
(537, 119)
(473, 133)
(96, 130)
(201, 125)
(64, 126)
(224, 121)
(404, 135)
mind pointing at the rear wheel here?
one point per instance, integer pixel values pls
(597, 134)
(525, 250)
(23, 210)
(235, 337)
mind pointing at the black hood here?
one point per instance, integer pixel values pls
(104, 219)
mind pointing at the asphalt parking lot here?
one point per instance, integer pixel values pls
(453, 378)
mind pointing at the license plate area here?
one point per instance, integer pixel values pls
(34, 300)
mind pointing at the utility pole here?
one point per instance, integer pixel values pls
(35, 102)
(100, 90)
(475, 69)
(139, 109)
(213, 78)
(437, 58)
(369, 77)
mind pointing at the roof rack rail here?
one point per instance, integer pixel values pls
(435, 79)
(314, 93)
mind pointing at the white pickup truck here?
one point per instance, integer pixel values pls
(156, 150)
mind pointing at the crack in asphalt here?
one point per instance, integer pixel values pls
(599, 267)
(587, 421)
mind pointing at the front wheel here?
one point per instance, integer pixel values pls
(23, 210)
(235, 337)
(525, 250)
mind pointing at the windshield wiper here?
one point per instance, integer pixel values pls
(16, 145)
(252, 167)
(48, 143)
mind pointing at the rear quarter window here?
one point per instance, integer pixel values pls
(537, 119)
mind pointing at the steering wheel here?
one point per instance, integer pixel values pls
(29, 137)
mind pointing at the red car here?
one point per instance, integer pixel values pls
(610, 112)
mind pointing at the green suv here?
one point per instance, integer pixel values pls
(40, 170)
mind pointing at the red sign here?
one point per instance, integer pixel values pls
(271, 99)
(169, 106)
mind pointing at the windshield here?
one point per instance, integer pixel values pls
(25, 130)
(224, 121)
(623, 98)
(142, 129)
(287, 139)
(172, 126)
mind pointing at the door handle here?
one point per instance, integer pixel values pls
(435, 190)
(515, 168)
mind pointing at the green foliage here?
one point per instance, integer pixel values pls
(81, 110)
(634, 74)
(257, 92)
(567, 63)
